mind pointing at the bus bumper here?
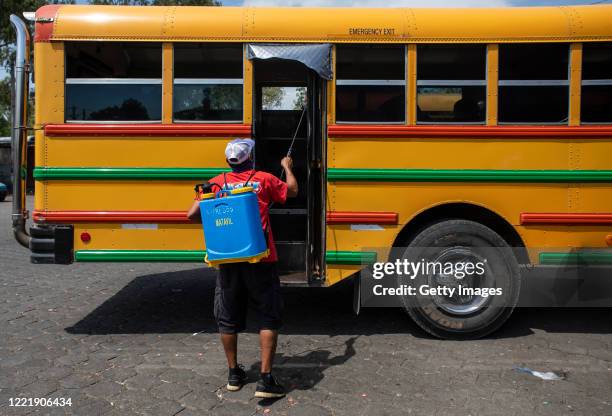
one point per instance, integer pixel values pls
(52, 244)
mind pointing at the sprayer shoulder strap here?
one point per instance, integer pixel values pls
(250, 177)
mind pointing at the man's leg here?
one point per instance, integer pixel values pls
(267, 343)
(230, 314)
(230, 345)
(266, 298)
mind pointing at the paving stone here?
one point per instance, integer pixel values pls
(310, 409)
(234, 408)
(163, 408)
(103, 389)
(172, 391)
(79, 380)
(200, 399)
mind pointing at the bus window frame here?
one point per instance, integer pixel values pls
(372, 82)
(592, 82)
(113, 81)
(537, 83)
(210, 81)
(453, 83)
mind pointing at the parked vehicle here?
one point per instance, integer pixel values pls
(3, 191)
(424, 127)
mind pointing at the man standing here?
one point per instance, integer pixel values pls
(239, 284)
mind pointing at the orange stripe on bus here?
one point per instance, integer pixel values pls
(203, 130)
(333, 217)
(337, 217)
(110, 216)
(566, 219)
(387, 131)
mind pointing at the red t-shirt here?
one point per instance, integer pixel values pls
(268, 189)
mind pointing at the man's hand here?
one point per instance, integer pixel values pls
(194, 212)
(287, 163)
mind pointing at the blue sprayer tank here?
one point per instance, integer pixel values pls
(232, 227)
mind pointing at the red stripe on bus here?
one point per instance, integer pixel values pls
(45, 22)
(202, 130)
(566, 219)
(181, 217)
(337, 217)
(387, 131)
(110, 216)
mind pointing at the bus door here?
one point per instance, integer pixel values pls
(289, 113)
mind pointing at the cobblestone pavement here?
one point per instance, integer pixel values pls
(123, 339)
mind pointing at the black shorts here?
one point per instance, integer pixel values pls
(241, 284)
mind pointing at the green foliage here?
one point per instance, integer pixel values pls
(5, 108)
(272, 97)
(300, 98)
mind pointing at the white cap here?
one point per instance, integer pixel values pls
(239, 150)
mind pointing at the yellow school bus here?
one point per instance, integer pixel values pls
(439, 127)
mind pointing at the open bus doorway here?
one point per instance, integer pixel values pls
(288, 114)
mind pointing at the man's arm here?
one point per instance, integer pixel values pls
(194, 212)
(292, 185)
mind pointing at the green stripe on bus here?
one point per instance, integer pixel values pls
(140, 256)
(332, 257)
(580, 258)
(350, 257)
(467, 175)
(336, 175)
(50, 173)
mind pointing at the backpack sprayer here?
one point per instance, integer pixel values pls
(231, 221)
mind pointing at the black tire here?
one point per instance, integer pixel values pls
(444, 317)
(2, 197)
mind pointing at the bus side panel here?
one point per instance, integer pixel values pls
(134, 151)
(48, 103)
(509, 199)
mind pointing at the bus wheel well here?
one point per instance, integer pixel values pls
(463, 211)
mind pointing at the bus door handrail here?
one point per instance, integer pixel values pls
(19, 129)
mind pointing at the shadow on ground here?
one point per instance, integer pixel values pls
(181, 302)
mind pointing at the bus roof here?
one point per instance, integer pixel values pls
(358, 25)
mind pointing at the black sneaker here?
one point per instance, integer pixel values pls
(236, 379)
(268, 388)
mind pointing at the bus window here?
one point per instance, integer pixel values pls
(533, 83)
(371, 83)
(596, 106)
(451, 83)
(207, 82)
(113, 81)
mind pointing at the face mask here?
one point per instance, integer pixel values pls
(244, 166)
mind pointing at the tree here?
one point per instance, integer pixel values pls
(272, 97)
(300, 98)
(5, 108)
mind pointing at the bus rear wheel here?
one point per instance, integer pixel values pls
(467, 313)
